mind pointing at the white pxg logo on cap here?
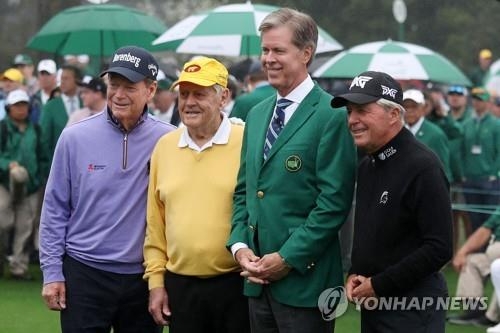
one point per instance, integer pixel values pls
(134, 63)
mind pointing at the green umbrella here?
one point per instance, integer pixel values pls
(403, 61)
(96, 30)
(230, 30)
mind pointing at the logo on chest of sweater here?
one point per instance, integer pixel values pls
(384, 198)
(95, 167)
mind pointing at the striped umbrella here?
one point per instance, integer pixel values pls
(403, 61)
(230, 30)
(492, 78)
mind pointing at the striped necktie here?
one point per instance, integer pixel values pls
(276, 125)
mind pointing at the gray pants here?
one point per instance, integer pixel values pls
(269, 316)
(21, 217)
(473, 275)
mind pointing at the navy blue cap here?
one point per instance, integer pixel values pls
(369, 87)
(134, 63)
(457, 90)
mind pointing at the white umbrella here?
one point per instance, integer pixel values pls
(230, 30)
(492, 79)
(403, 61)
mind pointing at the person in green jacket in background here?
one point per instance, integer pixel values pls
(20, 163)
(56, 112)
(424, 130)
(258, 90)
(480, 154)
(460, 110)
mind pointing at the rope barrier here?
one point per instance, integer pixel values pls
(475, 208)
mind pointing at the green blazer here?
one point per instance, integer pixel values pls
(434, 137)
(52, 122)
(243, 103)
(298, 198)
(484, 133)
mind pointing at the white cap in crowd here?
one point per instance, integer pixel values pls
(47, 65)
(415, 95)
(16, 96)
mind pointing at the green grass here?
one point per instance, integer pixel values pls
(350, 321)
(23, 311)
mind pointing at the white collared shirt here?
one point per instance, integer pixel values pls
(221, 137)
(297, 95)
(416, 127)
(165, 116)
(68, 101)
(44, 97)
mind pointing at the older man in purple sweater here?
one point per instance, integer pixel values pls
(94, 212)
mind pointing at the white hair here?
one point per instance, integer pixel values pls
(390, 105)
(219, 89)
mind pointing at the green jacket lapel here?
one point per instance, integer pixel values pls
(303, 112)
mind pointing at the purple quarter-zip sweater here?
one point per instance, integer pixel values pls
(94, 208)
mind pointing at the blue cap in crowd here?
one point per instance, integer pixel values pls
(457, 90)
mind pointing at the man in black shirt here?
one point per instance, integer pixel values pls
(403, 229)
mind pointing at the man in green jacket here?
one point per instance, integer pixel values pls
(424, 130)
(294, 188)
(480, 153)
(20, 160)
(56, 112)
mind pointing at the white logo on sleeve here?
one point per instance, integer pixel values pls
(360, 81)
(384, 197)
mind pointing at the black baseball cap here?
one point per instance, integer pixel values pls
(134, 63)
(95, 84)
(369, 87)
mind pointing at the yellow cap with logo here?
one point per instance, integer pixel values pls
(204, 72)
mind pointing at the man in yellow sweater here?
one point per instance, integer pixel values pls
(194, 281)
